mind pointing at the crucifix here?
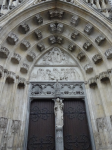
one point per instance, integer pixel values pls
(58, 110)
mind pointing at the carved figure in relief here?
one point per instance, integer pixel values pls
(58, 110)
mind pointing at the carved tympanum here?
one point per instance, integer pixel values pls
(31, 56)
(16, 58)
(39, 19)
(15, 126)
(92, 82)
(10, 77)
(3, 123)
(25, 44)
(101, 124)
(99, 40)
(74, 35)
(41, 47)
(104, 76)
(87, 45)
(71, 47)
(80, 56)
(24, 68)
(24, 28)
(108, 53)
(38, 34)
(57, 14)
(4, 52)
(97, 58)
(88, 68)
(88, 29)
(75, 20)
(12, 39)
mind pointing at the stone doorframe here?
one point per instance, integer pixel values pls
(61, 90)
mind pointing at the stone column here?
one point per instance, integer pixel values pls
(58, 110)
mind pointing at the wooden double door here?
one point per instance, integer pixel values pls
(41, 135)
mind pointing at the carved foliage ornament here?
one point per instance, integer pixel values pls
(25, 44)
(108, 53)
(74, 35)
(87, 45)
(15, 126)
(24, 28)
(88, 29)
(57, 14)
(97, 58)
(39, 19)
(16, 58)
(75, 20)
(80, 56)
(12, 39)
(3, 123)
(4, 52)
(99, 40)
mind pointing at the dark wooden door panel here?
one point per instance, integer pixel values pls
(76, 131)
(41, 126)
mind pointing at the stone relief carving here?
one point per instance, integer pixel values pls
(10, 76)
(71, 47)
(98, 139)
(1, 71)
(87, 45)
(103, 76)
(38, 34)
(57, 14)
(101, 124)
(24, 27)
(88, 68)
(31, 56)
(88, 29)
(16, 58)
(55, 39)
(12, 38)
(80, 56)
(3, 123)
(15, 126)
(4, 52)
(97, 58)
(99, 40)
(108, 53)
(75, 35)
(54, 27)
(39, 19)
(92, 82)
(56, 74)
(55, 56)
(75, 20)
(26, 44)
(24, 68)
(41, 47)
(21, 81)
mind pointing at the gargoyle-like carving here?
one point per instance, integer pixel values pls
(71, 47)
(31, 56)
(88, 29)
(21, 82)
(104, 76)
(24, 28)
(3, 123)
(97, 58)
(100, 39)
(108, 53)
(80, 56)
(38, 34)
(26, 44)
(101, 124)
(1, 71)
(92, 82)
(88, 68)
(41, 47)
(52, 39)
(57, 14)
(16, 58)
(55, 39)
(11, 76)
(75, 20)
(24, 68)
(74, 35)
(15, 126)
(12, 39)
(39, 19)
(87, 45)
(4, 52)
